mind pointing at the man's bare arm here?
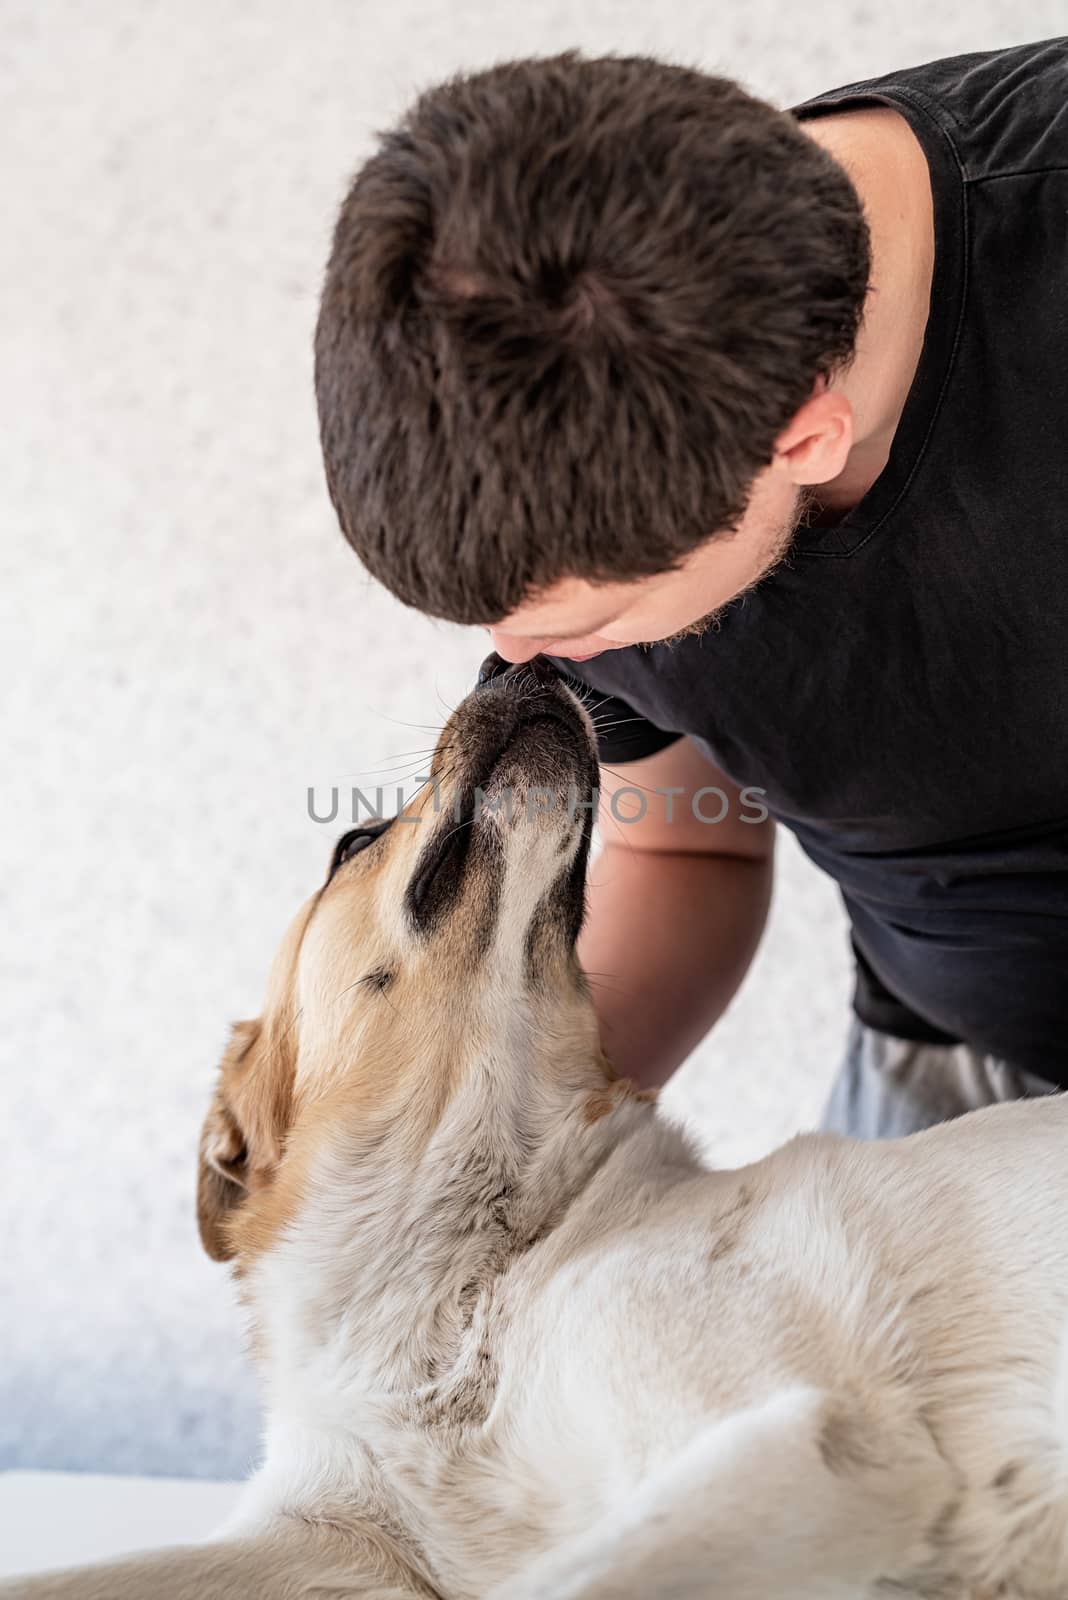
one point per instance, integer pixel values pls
(677, 906)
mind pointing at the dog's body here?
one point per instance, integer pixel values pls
(517, 1341)
(840, 1364)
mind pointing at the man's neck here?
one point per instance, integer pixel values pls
(889, 171)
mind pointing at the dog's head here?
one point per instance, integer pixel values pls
(441, 942)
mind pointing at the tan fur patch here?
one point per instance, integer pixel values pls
(603, 1101)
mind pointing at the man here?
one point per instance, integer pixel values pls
(757, 421)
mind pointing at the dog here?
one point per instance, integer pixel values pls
(517, 1341)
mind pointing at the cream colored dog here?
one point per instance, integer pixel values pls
(517, 1341)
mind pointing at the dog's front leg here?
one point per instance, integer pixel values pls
(796, 1499)
(287, 1560)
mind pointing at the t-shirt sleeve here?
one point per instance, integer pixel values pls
(623, 734)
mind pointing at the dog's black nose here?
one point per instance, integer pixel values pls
(491, 668)
(495, 666)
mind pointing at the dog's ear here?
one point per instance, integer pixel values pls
(245, 1131)
(220, 1178)
(241, 1141)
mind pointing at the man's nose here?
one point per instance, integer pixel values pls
(515, 650)
(495, 667)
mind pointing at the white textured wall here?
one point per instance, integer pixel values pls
(187, 642)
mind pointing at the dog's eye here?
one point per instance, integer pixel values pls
(351, 843)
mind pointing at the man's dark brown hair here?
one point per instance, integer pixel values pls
(570, 305)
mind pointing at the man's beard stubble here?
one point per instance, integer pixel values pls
(804, 508)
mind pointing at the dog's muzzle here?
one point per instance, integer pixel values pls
(521, 725)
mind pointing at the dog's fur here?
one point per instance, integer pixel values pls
(517, 1341)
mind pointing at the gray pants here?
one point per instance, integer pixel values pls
(888, 1087)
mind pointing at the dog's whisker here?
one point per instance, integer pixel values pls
(383, 771)
(610, 724)
(606, 814)
(602, 983)
(416, 792)
(465, 822)
(441, 698)
(289, 1028)
(623, 777)
(399, 722)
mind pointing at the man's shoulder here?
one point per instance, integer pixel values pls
(1004, 111)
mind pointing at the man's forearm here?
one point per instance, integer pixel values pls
(667, 940)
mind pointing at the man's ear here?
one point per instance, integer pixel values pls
(223, 1175)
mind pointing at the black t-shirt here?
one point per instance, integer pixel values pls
(898, 688)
